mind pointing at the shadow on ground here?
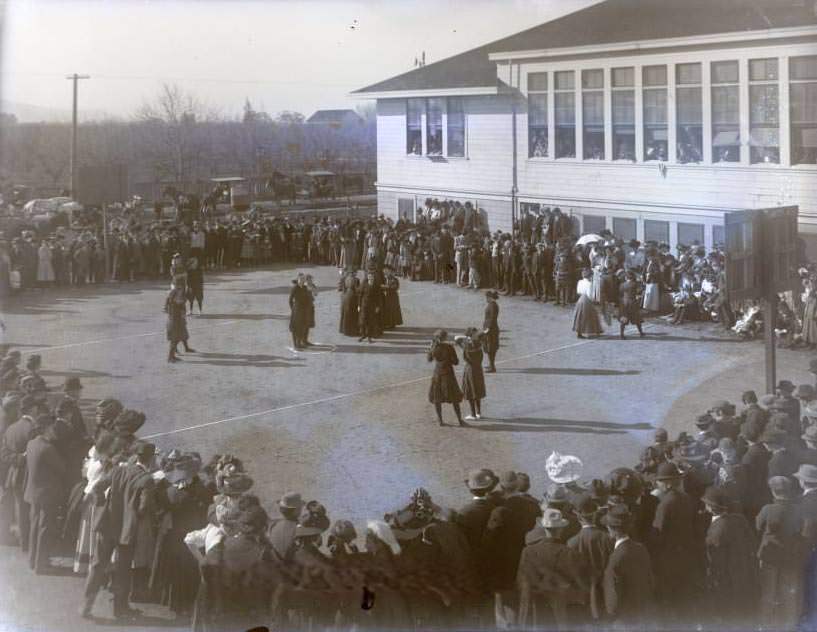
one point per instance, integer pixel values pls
(540, 424)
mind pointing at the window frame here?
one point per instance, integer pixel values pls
(619, 89)
(763, 83)
(727, 87)
(447, 127)
(654, 88)
(564, 92)
(539, 93)
(798, 127)
(420, 127)
(594, 92)
(680, 126)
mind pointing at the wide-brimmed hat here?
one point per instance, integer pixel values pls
(108, 409)
(492, 294)
(563, 468)
(313, 520)
(183, 467)
(481, 479)
(618, 516)
(786, 386)
(717, 498)
(585, 505)
(721, 404)
(704, 421)
(768, 400)
(128, 422)
(782, 487)
(667, 472)
(291, 500)
(508, 480)
(806, 473)
(553, 519)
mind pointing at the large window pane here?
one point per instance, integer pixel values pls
(538, 81)
(763, 70)
(655, 230)
(564, 80)
(724, 72)
(689, 234)
(565, 113)
(434, 127)
(592, 79)
(593, 224)
(725, 124)
(623, 77)
(764, 123)
(623, 124)
(654, 75)
(414, 126)
(688, 74)
(689, 129)
(456, 127)
(537, 125)
(655, 123)
(625, 228)
(718, 236)
(803, 100)
(593, 121)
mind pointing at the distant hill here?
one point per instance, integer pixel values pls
(28, 113)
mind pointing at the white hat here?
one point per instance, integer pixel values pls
(563, 468)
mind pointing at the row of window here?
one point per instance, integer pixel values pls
(433, 109)
(626, 228)
(725, 87)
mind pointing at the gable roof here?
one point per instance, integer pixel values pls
(609, 22)
(333, 116)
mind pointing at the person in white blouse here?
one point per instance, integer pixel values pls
(585, 315)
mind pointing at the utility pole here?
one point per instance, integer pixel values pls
(75, 78)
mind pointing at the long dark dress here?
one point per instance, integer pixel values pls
(300, 304)
(444, 388)
(176, 308)
(490, 324)
(174, 577)
(195, 284)
(348, 307)
(629, 309)
(392, 314)
(473, 377)
(371, 301)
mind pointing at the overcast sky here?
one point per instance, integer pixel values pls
(281, 54)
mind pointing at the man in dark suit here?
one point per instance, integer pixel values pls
(551, 576)
(595, 546)
(628, 579)
(787, 402)
(675, 562)
(731, 562)
(473, 517)
(281, 532)
(130, 498)
(782, 460)
(45, 489)
(756, 460)
(446, 254)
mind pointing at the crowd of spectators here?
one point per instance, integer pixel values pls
(715, 528)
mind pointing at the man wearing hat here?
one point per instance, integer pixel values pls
(751, 409)
(808, 454)
(706, 436)
(490, 327)
(594, 545)
(724, 422)
(782, 460)
(72, 391)
(130, 498)
(551, 576)
(781, 556)
(282, 530)
(628, 582)
(45, 489)
(675, 543)
(787, 402)
(806, 475)
(473, 517)
(756, 461)
(731, 562)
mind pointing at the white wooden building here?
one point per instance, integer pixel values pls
(651, 118)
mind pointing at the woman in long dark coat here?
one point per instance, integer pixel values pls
(300, 303)
(195, 283)
(182, 502)
(490, 327)
(444, 388)
(370, 309)
(392, 314)
(348, 287)
(473, 378)
(176, 307)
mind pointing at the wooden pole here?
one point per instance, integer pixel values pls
(769, 320)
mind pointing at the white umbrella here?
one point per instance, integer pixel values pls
(588, 239)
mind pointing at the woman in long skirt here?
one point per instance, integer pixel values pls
(585, 316)
(392, 314)
(348, 287)
(195, 283)
(473, 378)
(652, 288)
(45, 266)
(175, 307)
(444, 388)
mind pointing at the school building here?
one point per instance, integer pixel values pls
(652, 118)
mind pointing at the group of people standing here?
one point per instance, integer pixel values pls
(716, 528)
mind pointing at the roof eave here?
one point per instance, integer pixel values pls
(427, 92)
(696, 40)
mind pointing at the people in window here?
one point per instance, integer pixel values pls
(540, 144)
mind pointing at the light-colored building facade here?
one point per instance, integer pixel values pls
(654, 138)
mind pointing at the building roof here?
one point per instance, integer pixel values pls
(333, 116)
(608, 22)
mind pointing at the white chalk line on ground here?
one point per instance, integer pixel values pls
(334, 398)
